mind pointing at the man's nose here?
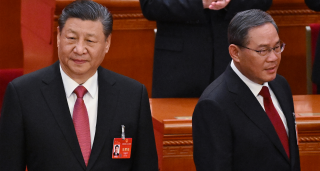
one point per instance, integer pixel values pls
(273, 55)
(80, 48)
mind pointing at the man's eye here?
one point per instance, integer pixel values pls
(263, 50)
(89, 41)
(71, 38)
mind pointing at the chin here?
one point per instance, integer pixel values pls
(78, 71)
(271, 78)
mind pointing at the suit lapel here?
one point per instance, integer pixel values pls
(54, 94)
(250, 106)
(107, 103)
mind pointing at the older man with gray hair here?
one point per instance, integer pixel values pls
(244, 120)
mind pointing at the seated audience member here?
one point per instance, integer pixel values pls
(66, 116)
(244, 120)
(315, 5)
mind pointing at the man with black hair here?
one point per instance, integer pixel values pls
(66, 116)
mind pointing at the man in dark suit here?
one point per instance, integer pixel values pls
(315, 5)
(191, 46)
(40, 126)
(237, 124)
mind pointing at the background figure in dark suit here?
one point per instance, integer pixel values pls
(315, 5)
(36, 124)
(191, 46)
(232, 121)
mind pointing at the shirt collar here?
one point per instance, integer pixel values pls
(254, 87)
(69, 84)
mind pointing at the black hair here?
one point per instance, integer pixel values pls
(87, 10)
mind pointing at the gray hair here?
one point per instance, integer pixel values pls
(243, 21)
(87, 10)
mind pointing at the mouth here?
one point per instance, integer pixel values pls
(79, 61)
(272, 69)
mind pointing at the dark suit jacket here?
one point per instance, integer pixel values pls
(316, 66)
(315, 5)
(191, 46)
(36, 127)
(231, 131)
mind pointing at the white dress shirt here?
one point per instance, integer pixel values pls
(256, 88)
(90, 98)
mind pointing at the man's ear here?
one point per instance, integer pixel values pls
(234, 52)
(108, 42)
(58, 36)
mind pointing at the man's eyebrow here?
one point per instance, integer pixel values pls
(87, 35)
(90, 34)
(265, 45)
(70, 30)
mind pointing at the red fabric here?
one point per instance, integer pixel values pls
(7, 75)
(315, 28)
(37, 24)
(275, 118)
(81, 123)
(10, 34)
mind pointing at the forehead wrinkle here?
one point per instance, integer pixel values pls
(266, 45)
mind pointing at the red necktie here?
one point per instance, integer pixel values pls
(275, 118)
(81, 123)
